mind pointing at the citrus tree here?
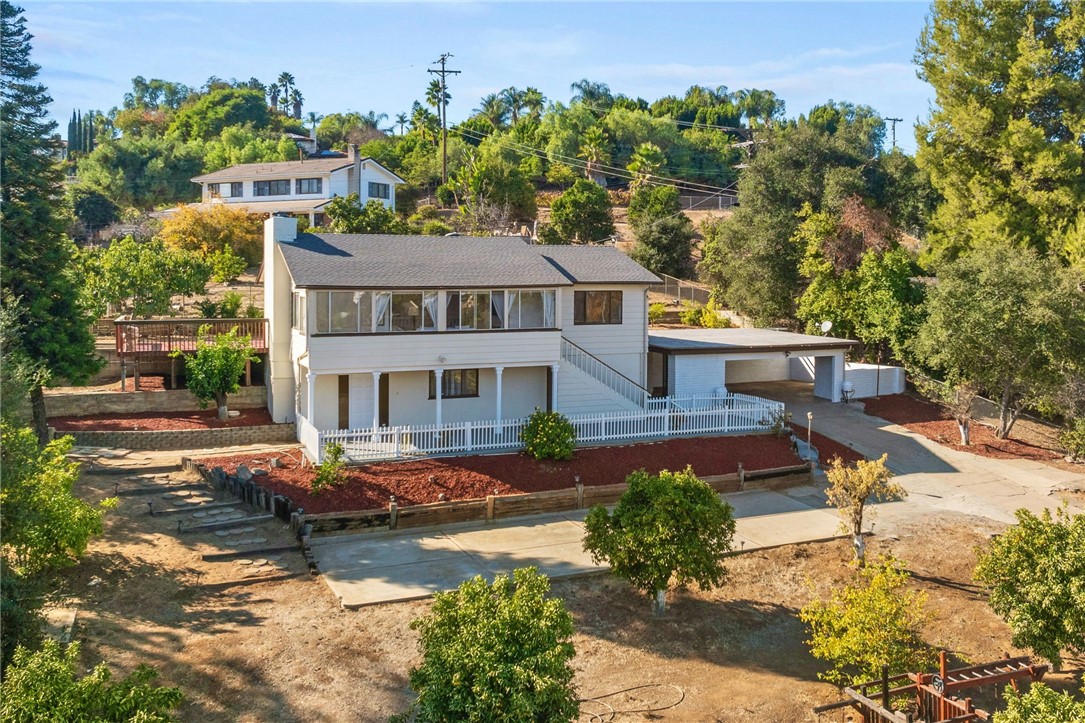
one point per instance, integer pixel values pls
(666, 527)
(582, 214)
(42, 687)
(497, 653)
(1035, 572)
(1040, 705)
(215, 370)
(873, 620)
(851, 488)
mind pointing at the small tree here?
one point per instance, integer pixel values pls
(218, 228)
(1040, 705)
(664, 245)
(330, 471)
(215, 369)
(582, 214)
(955, 396)
(497, 652)
(872, 621)
(1034, 572)
(669, 526)
(549, 435)
(42, 686)
(347, 215)
(851, 488)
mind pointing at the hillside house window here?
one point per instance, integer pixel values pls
(531, 310)
(236, 189)
(597, 307)
(225, 190)
(468, 310)
(213, 189)
(344, 312)
(309, 185)
(379, 190)
(271, 188)
(455, 383)
(297, 312)
(405, 311)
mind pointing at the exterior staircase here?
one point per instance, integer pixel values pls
(630, 395)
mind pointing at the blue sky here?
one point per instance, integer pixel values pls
(369, 56)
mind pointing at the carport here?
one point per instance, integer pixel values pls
(683, 362)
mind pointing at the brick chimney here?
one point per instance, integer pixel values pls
(356, 171)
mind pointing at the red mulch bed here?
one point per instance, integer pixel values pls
(160, 421)
(147, 383)
(927, 419)
(460, 478)
(827, 448)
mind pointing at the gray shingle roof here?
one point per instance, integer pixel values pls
(597, 265)
(281, 169)
(416, 262)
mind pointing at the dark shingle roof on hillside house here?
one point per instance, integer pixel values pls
(278, 169)
(430, 262)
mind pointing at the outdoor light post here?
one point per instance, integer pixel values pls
(809, 427)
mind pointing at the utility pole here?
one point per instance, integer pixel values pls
(444, 111)
(894, 121)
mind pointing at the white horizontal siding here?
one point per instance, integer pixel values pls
(338, 183)
(579, 393)
(407, 351)
(696, 374)
(622, 346)
(758, 370)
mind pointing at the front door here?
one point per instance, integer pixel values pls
(383, 401)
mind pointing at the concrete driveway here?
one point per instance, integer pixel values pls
(935, 476)
(374, 568)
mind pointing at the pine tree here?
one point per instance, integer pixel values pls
(36, 256)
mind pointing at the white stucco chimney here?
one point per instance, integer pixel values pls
(277, 302)
(355, 171)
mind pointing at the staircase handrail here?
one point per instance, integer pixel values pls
(637, 394)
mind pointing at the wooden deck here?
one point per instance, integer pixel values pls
(161, 337)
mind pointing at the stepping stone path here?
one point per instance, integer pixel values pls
(199, 515)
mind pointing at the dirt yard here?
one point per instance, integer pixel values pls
(205, 419)
(461, 478)
(285, 651)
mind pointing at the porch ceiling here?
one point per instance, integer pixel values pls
(739, 341)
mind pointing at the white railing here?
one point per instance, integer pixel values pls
(602, 372)
(664, 417)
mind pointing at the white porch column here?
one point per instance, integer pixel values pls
(376, 400)
(310, 407)
(499, 372)
(554, 369)
(438, 374)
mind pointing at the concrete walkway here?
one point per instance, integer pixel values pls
(395, 566)
(936, 477)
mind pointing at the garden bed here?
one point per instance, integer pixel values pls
(461, 478)
(161, 421)
(928, 419)
(827, 448)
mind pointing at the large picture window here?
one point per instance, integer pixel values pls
(455, 383)
(271, 188)
(468, 310)
(405, 311)
(597, 307)
(308, 185)
(531, 310)
(379, 190)
(344, 312)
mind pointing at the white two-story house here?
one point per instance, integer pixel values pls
(299, 188)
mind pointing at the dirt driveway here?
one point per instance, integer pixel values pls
(285, 651)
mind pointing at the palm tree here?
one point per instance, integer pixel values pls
(296, 100)
(273, 95)
(645, 163)
(759, 107)
(533, 102)
(596, 95)
(493, 110)
(438, 99)
(402, 120)
(514, 100)
(372, 119)
(421, 119)
(593, 149)
(286, 84)
(313, 119)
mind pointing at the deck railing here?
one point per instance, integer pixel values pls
(602, 372)
(162, 336)
(664, 418)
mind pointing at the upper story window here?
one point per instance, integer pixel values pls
(271, 188)
(379, 190)
(344, 312)
(531, 310)
(297, 312)
(309, 185)
(225, 190)
(471, 310)
(236, 189)
(597, 307)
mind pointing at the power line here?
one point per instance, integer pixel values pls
(443, 72)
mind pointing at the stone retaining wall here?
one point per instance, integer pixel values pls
(187, 438)
(171, 400)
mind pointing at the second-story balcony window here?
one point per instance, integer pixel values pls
(405, 311)
(309, 185)
(271, 188)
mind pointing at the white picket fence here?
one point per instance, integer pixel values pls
(663, 418)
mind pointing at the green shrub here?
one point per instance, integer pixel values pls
(230, 306)
(252, 311)
(332, 470)
(1040, 705)
(690, 315)
(549, 435)
(711, 318)
(226, 265)
(208, 309)
(446, 196)
(425, 212)
(1073, 440)
(656, 312)
(435, 228)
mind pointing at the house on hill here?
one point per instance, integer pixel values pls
(299, 188)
